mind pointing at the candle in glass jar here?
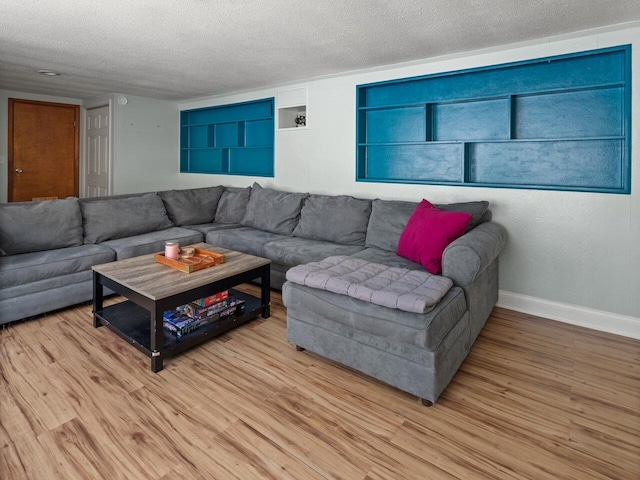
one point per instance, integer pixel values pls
(171, 250)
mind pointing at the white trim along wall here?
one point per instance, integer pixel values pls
(573, 314)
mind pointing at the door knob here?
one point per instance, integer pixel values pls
(18, 170)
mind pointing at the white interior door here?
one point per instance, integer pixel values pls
(98, 158)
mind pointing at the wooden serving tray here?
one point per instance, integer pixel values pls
(200, 260)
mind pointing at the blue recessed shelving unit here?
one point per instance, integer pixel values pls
(235, 139)
(561, 123)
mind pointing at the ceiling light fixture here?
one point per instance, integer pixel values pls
(49, 73)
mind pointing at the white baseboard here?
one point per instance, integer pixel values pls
(572, 314)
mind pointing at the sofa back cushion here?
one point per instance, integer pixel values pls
(389, 218)
(36, 226)
(273, 211)
(479, 211)
(111, 218)
(232, 205)
(193, 206)
(339, 219)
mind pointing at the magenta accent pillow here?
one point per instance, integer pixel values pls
(427, 234)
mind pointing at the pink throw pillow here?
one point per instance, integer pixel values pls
(428, 232)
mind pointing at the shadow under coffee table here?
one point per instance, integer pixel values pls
(152, 288)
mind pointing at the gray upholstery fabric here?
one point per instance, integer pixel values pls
(422, 330)
(32, 267)
(478, 211)
(414, 291)
(426, 378)
(273, 211)
(471, 262)
(295, 251)
(45, 284)
(341, 219)
(108, 219)
(208, 227)
(192, 206)
(482, 296)
(37, 226)
(388, 219)
(151, 242)
(75, 288)
(468, 255)
(278, 275)
(377, 255)
(244, 239)
(232, 205)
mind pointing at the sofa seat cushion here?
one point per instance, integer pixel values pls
(409, 290)
(32, 267)
(339, 219)
(296, 251)
(39, 226)
(152, 242)
(205, 228)
(244, 239)
(110, 218)
(421, 330)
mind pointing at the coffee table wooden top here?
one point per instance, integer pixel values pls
(156, 281)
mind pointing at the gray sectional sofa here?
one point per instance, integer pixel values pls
(48, 249)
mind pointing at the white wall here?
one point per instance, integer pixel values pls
(572, 256)
(5, 95)
(146, 145)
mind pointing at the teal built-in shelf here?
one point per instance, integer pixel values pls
(553, 123)
(234, 139)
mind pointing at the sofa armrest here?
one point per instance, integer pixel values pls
(465, 258)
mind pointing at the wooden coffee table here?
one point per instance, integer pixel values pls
(152, 288)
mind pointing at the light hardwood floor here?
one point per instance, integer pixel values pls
(535, 399)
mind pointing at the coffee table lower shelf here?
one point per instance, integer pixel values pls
(132, 323)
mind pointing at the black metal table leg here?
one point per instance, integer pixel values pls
(98, 298)
(157, 339)
(265, 296)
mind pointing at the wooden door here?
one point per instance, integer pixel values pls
(43, 150)
(97, 166)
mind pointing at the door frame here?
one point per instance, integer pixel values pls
(76, 154)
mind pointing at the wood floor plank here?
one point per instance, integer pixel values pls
(252, 455)
(78, 452)
(27, 459)
(535, 399)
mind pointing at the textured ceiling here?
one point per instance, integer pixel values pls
(184, 49)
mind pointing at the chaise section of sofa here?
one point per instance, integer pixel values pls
(418, 353)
